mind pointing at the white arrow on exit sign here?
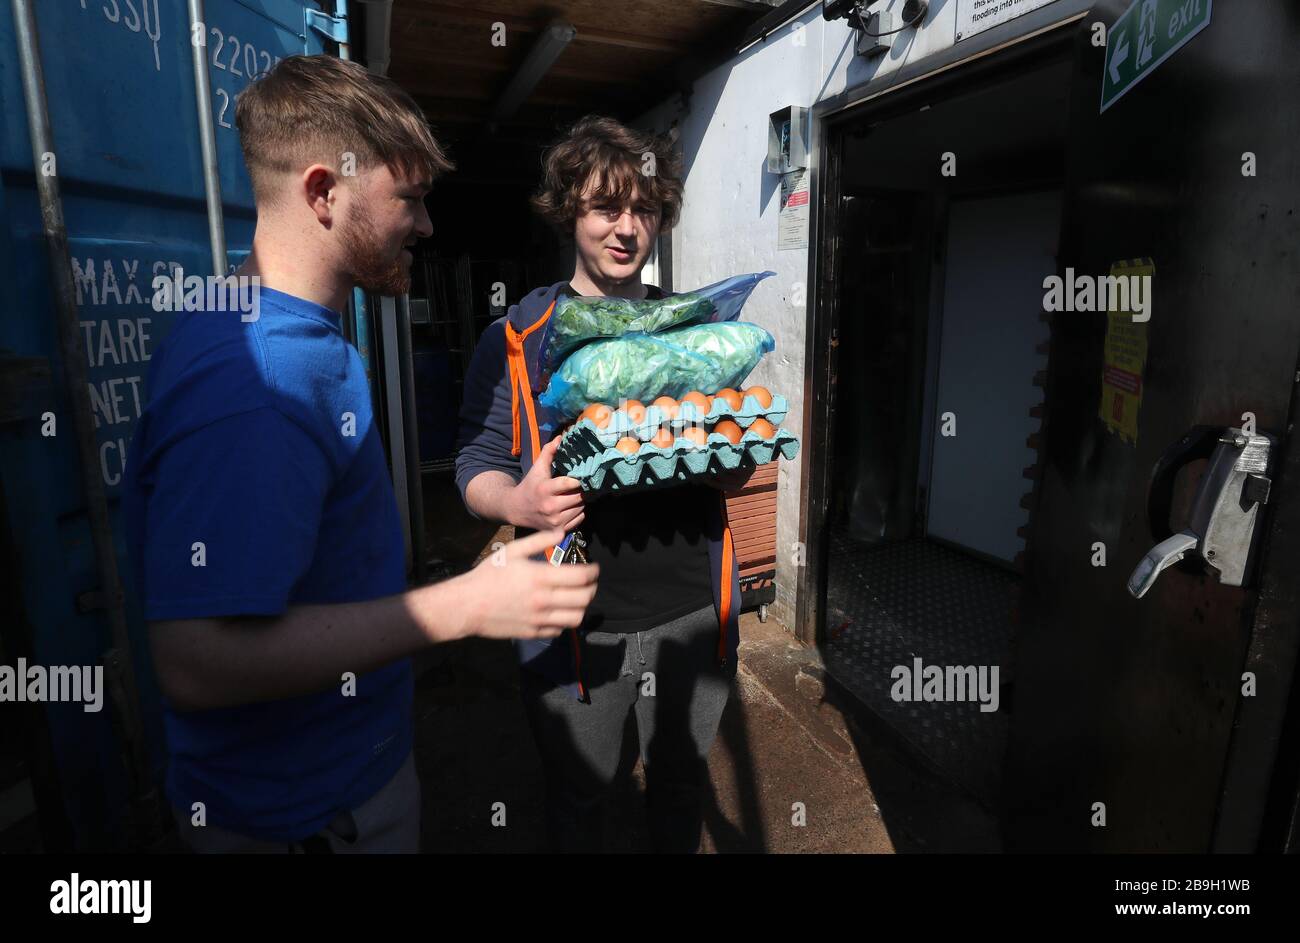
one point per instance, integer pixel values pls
(1117, 59)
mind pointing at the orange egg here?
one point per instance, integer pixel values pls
(628, 445)
(729, 429)
(598, 413)
(762, 427)
(762, 394)
(733, 398)
(663, 439)
(634, 410)
(667, 405)
(702, 403)
(696, 435)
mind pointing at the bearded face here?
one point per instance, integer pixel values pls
(377, 264)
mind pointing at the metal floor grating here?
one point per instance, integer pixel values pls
(890, 604)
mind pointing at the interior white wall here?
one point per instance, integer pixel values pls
(1000, 248)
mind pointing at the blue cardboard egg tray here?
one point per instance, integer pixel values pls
(582, 455)
(620, 425)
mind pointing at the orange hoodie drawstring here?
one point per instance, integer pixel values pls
(728, 553)
(518, 366)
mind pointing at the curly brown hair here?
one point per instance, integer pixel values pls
(614, 159)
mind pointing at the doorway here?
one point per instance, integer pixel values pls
(948, 224)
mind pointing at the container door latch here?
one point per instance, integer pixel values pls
(333, 28)
(1222, 529)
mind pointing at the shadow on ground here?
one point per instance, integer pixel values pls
(786, 771)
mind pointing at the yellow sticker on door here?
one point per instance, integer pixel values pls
(1127, 313)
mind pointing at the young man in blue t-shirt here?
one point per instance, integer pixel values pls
(260, 512)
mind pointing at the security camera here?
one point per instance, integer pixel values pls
(857, 10)
(842, 9)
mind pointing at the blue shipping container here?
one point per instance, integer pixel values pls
(120, 87)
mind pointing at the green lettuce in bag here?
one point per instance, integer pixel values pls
(579, 320)
(706, 357)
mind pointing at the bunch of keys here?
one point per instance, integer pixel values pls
(570, 550)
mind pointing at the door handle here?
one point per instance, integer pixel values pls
(1221, 531)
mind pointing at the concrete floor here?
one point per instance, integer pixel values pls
(789, 735)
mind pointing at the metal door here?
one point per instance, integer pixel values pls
(1129, 722)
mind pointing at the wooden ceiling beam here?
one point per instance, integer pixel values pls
(754, 6)
(481, 64)
(457, 113)
(453, 93)
(423, 79)
(447, 14)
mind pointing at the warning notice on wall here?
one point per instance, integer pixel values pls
(1125, 356)
(975, 16)
(792, 220)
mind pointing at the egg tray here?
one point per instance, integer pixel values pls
(620, 425)
(598, 467)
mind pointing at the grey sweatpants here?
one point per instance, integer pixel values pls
(670, 677)
(386, 823)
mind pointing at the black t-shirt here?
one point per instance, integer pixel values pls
(652, 550)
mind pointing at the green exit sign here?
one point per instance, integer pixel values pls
(1145, 35)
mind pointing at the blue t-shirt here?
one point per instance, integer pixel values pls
(255, 481)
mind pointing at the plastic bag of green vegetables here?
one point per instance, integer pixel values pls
(578, 320)
(706, 357)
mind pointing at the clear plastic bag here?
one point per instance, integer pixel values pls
(577, 320)
(705, 357)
